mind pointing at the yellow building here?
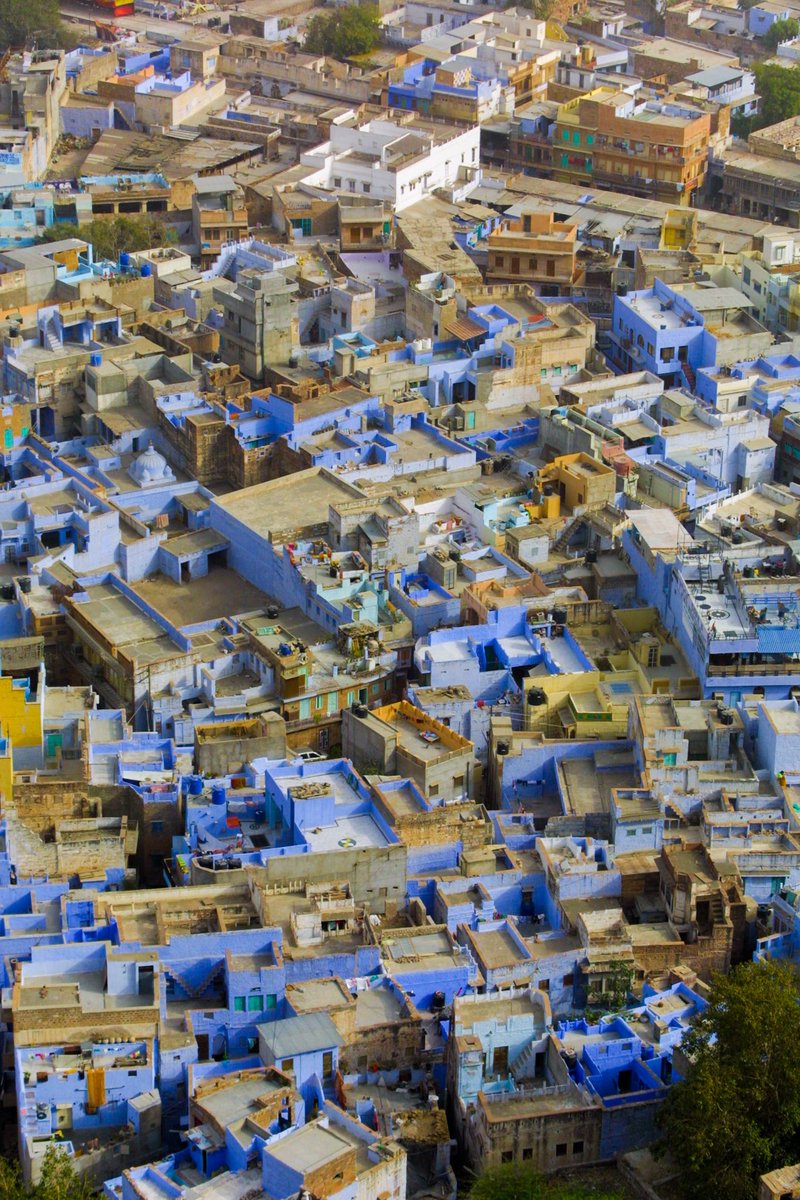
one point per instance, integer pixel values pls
(6, 770)
(572, 481)
(21, 722)
(21, 710)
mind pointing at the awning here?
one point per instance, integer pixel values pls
(775, 639)
(464, 328)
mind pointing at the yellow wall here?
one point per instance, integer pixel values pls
(6, 773)
(21, 718)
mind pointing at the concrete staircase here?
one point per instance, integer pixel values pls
(566, 533)
(51, 339)
(196, 990)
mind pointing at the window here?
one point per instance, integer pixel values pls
(565, 135)
(577, 1147)
(564, 160)
(650, 349)
(156, 826)
(337, 181)
(433, 790)
(238, 1003)
(287, 1064)
(527, 1154)
(318, 701)
(561, 1150)
(590, 139)
(270, 1002)
(498, 260)
(567, 981)
(507, 1156)
(255, 1003)
(544, 985)
(366, 188)
(576, 138)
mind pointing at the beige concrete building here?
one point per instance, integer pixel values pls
(535, 249)
(399, 739)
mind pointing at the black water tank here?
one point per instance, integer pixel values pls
(361, 710)
(272, 611)
(25, 584)
(437, 1001)
(560, 616)
(502, 748)
(537, 696)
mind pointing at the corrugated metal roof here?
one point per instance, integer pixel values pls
(299, 1035)
(775, 639)
(465, 328)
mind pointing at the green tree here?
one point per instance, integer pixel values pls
(519, 1181)
(346, 33)
(737, 1113)
(111, 235)
(22, 21)
(59, 1180)
(781, 31)
(779, 89)
(11, 1187)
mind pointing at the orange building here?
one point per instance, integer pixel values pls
(535, 249)
(651, 149)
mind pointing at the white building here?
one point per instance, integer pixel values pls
(402, 164)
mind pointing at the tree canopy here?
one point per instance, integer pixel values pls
(59, 1180)
(781, 31)
(111, 235)
(737, 1113)
(519, 1181)
(779, 88)
(345, 33)
(22, 21)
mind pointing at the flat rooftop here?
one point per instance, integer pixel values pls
(271, 510)
(221, 593)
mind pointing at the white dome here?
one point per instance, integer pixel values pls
(151, 467)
